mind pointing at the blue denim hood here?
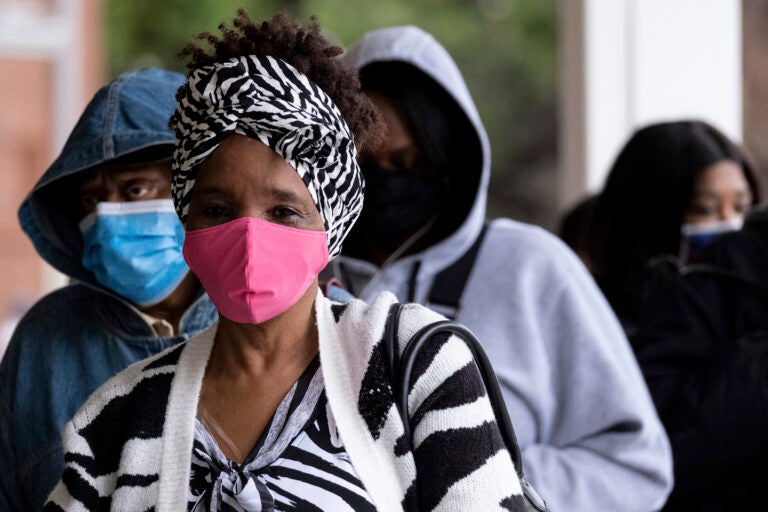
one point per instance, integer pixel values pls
(129, 114)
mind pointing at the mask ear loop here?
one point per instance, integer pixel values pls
(376, 278)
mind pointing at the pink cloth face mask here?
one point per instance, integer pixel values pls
(254, 270)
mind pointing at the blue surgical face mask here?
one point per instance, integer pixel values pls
(134, 249)
(697, 236)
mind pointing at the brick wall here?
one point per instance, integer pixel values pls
(31, 97)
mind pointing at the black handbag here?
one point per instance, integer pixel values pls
(400, 369)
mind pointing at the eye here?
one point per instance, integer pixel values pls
(88, 202)
(400, 163)
(137, 190)
(411, 160)
(284, 215)
(214, 211)
(744, 207)
(703, 210)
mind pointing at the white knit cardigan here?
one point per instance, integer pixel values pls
(129, 447)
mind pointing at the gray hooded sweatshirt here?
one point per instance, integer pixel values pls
(590, 437)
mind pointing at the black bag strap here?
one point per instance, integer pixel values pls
(401, 368)
(447, 287)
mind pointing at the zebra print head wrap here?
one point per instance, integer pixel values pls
(271, 101)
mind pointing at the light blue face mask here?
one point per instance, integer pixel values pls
(134, 249)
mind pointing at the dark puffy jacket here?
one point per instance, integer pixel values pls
(703, 347)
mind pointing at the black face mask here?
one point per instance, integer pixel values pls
(398, 203)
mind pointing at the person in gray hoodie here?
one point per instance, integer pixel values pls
(590, 437)
(102, 215)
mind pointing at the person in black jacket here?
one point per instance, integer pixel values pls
(673, 187)
(703, 347)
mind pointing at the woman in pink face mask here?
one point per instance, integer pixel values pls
(286, 402)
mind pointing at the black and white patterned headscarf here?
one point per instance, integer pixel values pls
(269, 100)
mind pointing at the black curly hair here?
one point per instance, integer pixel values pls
(303, 47)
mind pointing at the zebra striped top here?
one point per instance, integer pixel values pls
(298, 464)
(130, 446)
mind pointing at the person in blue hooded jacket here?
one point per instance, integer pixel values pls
(102, 214)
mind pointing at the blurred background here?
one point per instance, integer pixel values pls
(560, 84)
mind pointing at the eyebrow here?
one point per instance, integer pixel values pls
(405, 150)
(277, 193)
(211, 190)
(284, 195)
(89, 185)
(94, 181)
(124, 171)
(710, 194)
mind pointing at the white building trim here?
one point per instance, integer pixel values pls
(628, 63)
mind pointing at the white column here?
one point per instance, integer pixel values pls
(68, 72)
(628, 63)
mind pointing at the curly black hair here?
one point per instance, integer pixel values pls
(303, 47)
